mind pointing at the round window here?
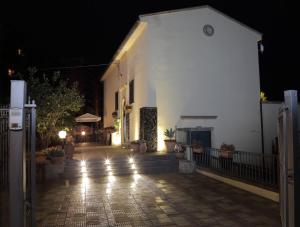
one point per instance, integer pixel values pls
(208, 30)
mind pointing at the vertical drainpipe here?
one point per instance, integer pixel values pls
(262, 127)
(260, 52)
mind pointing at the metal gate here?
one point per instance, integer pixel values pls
(289, 160)
(30, 198)
(3, 147)
(17, 161)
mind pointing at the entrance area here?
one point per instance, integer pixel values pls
(104, 187)
(168, 199)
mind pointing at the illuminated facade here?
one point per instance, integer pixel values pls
(197, 67)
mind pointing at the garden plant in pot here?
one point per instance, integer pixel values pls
(170, 142)
(179, 150)
(226, 150)
(226, 155)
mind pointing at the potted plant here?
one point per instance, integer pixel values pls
(128, 108)
(179, 150)
(226, 150)
(55, 154)
(197, 147)
(114, 114)
(138, 146)
(135, 146)
(170, 142)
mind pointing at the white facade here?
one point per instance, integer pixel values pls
(183, 72)
(270, 112)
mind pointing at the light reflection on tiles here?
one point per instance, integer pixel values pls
(151, 200)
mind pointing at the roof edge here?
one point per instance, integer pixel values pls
(120, 48)
(203, 7)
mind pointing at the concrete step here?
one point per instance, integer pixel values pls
(120, 166)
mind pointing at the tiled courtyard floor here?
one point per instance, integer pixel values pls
(152, 200)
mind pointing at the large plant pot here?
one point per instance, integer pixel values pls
(143, 147)
(179, 155)
(135, 147)
(170, 145)
(198, 150)
(226, 154)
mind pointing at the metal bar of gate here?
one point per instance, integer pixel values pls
(33, 162)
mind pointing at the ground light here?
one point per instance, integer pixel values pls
(131, 160)
(82, 163)
(107, 161)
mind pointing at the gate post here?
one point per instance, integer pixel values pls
(17, 159)
(290, 161)
(293, 159)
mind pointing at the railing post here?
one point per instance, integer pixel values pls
(33, 163)
(17, 171)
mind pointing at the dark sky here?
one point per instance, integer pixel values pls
(66, 33)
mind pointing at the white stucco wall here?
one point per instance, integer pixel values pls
(270, 115)
(111, 85)
(193, 74)
(132, 65)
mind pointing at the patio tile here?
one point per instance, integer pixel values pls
(155, 200)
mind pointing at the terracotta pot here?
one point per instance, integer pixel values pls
(179, 155)
(226, 154)
(143, 147)
(135, 147)
(170, 144)
(198, 150)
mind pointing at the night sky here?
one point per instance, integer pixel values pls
(72, 33)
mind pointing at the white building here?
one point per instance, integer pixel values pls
(197, 67)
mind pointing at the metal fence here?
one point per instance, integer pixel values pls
(30, 134)
(4, 147)
(255, 168)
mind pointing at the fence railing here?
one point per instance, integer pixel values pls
(3, 146)
(255, 168)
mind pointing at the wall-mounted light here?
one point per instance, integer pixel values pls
(19, 52)
(10, 72)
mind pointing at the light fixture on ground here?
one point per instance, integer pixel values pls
(82, 163)
(107, 161)
(131, 160)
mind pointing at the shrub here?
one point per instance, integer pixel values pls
(169, 133)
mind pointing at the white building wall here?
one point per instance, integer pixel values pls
(193, 74)
(132, 65)
(111, 85)
(137, 70)
(270, 115)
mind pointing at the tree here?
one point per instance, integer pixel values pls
(57, 102)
